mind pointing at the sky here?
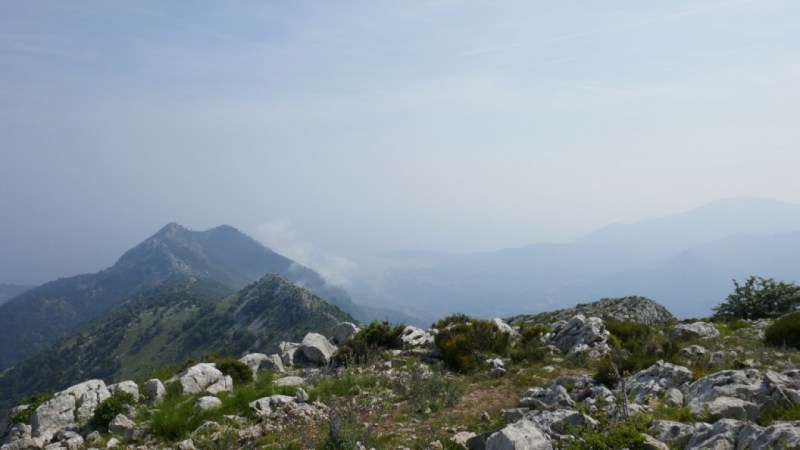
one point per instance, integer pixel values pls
(334, 131)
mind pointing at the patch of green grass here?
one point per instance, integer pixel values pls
(785, 331)
(175, 419)
(789, 412)
(610, 434)
(346, 384)
(677, 414)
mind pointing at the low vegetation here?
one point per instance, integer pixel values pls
(367, 345)
(466, 342)
(785, 331)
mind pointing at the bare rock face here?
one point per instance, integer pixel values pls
(696, 330)
(88, 396)
(580, 335)
(317, 349)
(203, 377)
(56, 414)
(524, 434)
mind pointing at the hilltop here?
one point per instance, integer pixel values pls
(628, 309)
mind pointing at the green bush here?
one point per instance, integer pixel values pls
(466, 342)
(785, 331)
(759, 298)
(33, 401)
(109, 408)
(238, 371)
(529, 346)
(366, 345)
(630, 334)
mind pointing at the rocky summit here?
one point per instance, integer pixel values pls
(464, 383)
(629, 309)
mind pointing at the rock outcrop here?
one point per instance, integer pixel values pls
(695, 330)
(627, 309)
(580, 335)
(203, 377)
(317, 349)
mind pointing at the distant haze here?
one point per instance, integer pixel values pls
(334, 131)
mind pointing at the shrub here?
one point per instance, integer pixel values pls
(610, 435)
(465, 342)
(630, 334)
(759, 298)
(605, 373)
(529, 346)
(109, 408)
(785, 331)
(238, 371)
(32, 401)
(369, 342)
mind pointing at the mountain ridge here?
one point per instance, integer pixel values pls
(39, 317)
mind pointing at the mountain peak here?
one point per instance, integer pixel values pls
(172, 229)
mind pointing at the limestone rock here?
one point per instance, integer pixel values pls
(695, 330)
(317, 349)
(461, 438)
(88, 395)
(154, 390)
(121, 424)
(202, 377)
(207, 403)
(223, 384)
(731, 408)
(774, 436)
(693, 351)
(56, 414)
(547, 398)
(505, 328)
(720, 436)
(522, 435)
(580, 335)
(289, 381)
(414, 337)
(764, 389)
(125, 386)
(656, 379)
(555, 423)
(343, 331)
(259, 362)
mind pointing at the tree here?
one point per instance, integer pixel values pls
(759, 298)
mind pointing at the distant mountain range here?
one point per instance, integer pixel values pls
(41, 316)
(685, 261)
(169, 324)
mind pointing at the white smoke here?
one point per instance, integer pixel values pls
(281, 236)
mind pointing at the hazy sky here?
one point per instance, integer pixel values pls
(334, 130)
